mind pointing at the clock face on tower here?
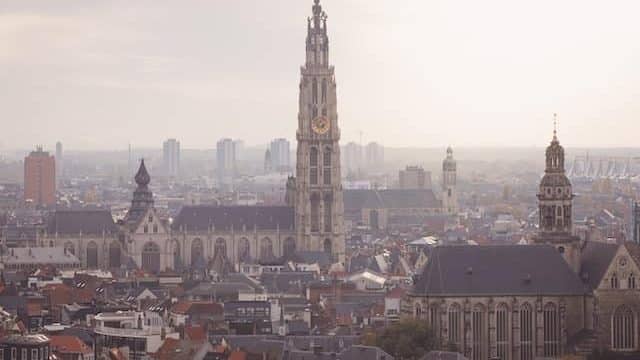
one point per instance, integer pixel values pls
(320, 125)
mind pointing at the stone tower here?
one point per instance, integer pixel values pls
(449, 194)
(555, 199)
(318, 199)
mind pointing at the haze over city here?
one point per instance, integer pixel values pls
(102, 75)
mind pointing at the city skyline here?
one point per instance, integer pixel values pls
(119, 70)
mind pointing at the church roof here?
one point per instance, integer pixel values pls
(201, 218)
(497, 270)
(358, 199)
(87, 222)
(597, 256)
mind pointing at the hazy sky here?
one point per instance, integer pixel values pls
(101, 74)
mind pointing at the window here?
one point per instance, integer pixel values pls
(455, 330)
(328, 224)
(502, 331)
(615, 284)
(315, 214)
(326, 161)
(150, 218)
(146, 229)
(418, 311)
(324, 90)
(313, 163)
(313, 176)
(631, 282)
(526, 332)
(551, 330)
(434, 319)
(155, 228)
(314, 91)
(623, 329)
(478, 328)
(34, 354)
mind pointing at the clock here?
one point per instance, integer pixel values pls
(320, 125)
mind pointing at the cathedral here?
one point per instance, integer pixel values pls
(219, 237)
(556, 296)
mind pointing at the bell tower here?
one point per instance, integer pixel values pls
(318, 198)
(555, 201)
(449, 195)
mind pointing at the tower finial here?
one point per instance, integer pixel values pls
(555, 126)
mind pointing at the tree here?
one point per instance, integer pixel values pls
(407, 339)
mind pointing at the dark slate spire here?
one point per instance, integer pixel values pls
(142, 177)
(142, 196)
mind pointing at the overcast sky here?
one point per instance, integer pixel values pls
(101, 74)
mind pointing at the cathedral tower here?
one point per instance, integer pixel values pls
(449, 195)
(318, 199)
(555, 200)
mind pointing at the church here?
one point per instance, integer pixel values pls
(202, 236)
(559, 295)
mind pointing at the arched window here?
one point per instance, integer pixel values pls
(327, 246)
(455, 326)
(479, 332)
(551, 330)
(313, 166)
(220, 247)
(151, 257)
(314, 91)
(418, 311)
(615, 283)
(631, 281)
(177, 260)
(244, 250)
(324, 91)
(289, 248)
(434, 319)
(526, 332)
(114, 255)
(197, 251)
(623, 329)
(328, 224)
(315, 213)
(326, 160)
(266, 249)
(502, 331)
(92, 255)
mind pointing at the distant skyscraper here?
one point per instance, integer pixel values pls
(40, 177)
(414, 177)
(171, 156)
(636, 222)
(374, 155)
(226, 161)
(238, 146)
(59, 161)
(352, 158)
(280, 154)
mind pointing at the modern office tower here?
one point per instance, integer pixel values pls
(59, 161)
(226, 162)
(352, 158)
(171, 157)
(374, 155)
(40, 177)
(636, 222)
(414, 177)
(280, 154)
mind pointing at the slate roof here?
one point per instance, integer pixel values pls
(87, 222)
(466, 270)
(283, 282)
(40, 256)
(358, 199)
(201, 218)
(596, 257)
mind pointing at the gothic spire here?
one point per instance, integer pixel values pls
(142, 177)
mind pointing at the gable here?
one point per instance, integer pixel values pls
(150, 223)
(621, 265)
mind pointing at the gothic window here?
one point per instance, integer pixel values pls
(478, 328)
(502, 331)
(314, 91)
(313, 163)
(244, 250)
(623, 329)
(197, 251)
(434, 319)
(92, 255)
(315, 214)
(328, 226)
(146, 229)
(326, 160)
(314, 156)
(327, 246)
(114, 255)
(526, 332)
(266, 249)
(176, 254)
(324, 91)
(615, 283)
(551, 330)
(151, 257)
(155, 228)
(418, 311)
(324, 111)
(455, 327)
(289, 248)
(631, 281)
(313, 174)
(220, 247)
(315, 112)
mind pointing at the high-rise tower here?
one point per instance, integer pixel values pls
(555, 199)
(319, 204)
(449, 194)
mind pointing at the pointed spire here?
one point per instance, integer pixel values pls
(142, 177)
(555, 127)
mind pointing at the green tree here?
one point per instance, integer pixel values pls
(407, 339)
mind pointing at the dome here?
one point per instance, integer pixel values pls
(554, 180)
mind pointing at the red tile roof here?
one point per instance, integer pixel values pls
(195, 333)
(67, 344)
